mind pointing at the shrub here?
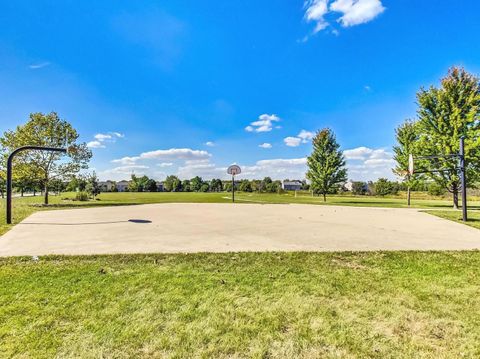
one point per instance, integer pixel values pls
(384, 187)
(81, 196)
(434, 189)
(359, 188)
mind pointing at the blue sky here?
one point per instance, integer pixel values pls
(189, 87)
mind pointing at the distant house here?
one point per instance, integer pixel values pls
(122, 186)
(292, 185)
(348, 185)
(106, 186)
(159, 186)
(360, 186)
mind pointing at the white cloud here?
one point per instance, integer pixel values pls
(292, 141)
(170, 154)
(364, 153)
(365, 163)
(165, 164)
(39, 65)
(176, 154)
(126, 160)
(316, 11)
(101, 138)
(120, 172)
(353, 12)
(95, 144)
(209, 144)
(292, 168)
(263, 124)
(303, 137)
(265, 145)
(357, 12)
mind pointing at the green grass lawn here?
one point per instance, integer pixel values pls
(264, 305)
(473, 217)
(25, 206)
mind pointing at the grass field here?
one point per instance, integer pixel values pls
(473, 217)
(264, 305)
(25, 206)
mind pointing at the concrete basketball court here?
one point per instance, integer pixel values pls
(193, 227)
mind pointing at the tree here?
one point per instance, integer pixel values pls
(186, 185)
(264, 184)
(196, 183)
(151, 185)
(326, 164)
(245, 186)
(444, 115)
(43, 166)
(359, 188)
(57, 185)
(407, 137)
(93, 187)
(133, 184)
(384, 187)
(77, 183)
(172, 184)
(216, 185)
(3, 183)
(205, 187)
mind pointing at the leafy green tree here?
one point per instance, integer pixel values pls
(172, 184)
(435, 189)
(77, 183)
(326, 164)
(196, 183)
(186, 185)
(46, 130)
(245, 186)
(407, 137)
(93, 187)
(266, 182)
(151, 185)
(205, 187)
(57, 185)
(216, 185)
(444, 115)
(3, 183)
(134, 184)
(384, 187)
(359, 188)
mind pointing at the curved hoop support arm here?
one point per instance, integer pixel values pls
(9, 172)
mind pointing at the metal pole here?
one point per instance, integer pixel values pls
(9, 172)
(463, 178)
(233, 188)
(9, 189)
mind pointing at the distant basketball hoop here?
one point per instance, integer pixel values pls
(234, 170)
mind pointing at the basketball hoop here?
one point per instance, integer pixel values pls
(234, 170)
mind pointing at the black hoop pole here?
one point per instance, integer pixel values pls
(233, 188)
(9, 172)
(463, 178)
